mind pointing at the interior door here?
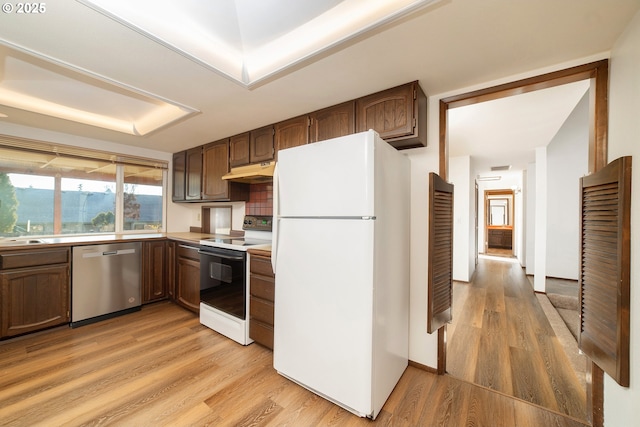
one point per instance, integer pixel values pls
(440, 287)
(605, 244)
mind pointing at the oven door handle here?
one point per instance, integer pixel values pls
(223, 256)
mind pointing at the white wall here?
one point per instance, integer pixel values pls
(423, 347)
(567, 161)
(621, 405)
(529, 190)
(463, 215)
(540, 221)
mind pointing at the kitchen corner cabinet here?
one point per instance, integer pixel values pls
(332, 122)
(187, 292)
(262, 297)
(292, 132)
(34, 290)
(398, 114)
(155, 275)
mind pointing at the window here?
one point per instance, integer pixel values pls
(143, 201)
(52, 190)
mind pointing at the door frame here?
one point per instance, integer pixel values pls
(598, 75)
(510, 194)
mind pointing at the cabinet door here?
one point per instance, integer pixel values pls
(34, 298)
(332, 122)
(239, 150)
(194, 174)
(171, 268)
(215, 160)
(154, 271)
(179, 175)
(261, 145)
(188, 278)
(390, 112)
(261, 304)
(292, 133)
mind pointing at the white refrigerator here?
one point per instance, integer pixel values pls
(341, 260)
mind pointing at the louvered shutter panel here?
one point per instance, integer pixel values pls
(440, 253)
(605, 216)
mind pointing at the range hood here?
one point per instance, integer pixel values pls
(252, 174)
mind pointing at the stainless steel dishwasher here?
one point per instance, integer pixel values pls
(105, 281)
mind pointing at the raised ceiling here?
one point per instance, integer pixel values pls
(249, 41)
(446, 46)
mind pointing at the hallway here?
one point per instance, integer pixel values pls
(501, 339)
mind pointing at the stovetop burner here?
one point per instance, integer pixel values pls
(257, 233)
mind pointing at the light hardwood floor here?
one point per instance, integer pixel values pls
(501, 339)
(160, 367)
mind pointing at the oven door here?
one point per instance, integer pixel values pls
(223, 281)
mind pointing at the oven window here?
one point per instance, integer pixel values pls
(222, 281)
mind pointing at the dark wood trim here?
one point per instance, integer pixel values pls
(595, 394)
(422, 367)
(598, 73)
(599, 117)
(442, 350)
(444, 143)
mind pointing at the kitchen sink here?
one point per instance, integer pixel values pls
(19, 242)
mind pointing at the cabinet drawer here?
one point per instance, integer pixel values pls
(189, 252)
(261, 265)
(32, 258)
(263, 287)
(261, 310)
(261, 333)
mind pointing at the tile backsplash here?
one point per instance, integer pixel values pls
(260, 200)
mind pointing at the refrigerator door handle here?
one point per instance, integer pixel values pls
(274, 225)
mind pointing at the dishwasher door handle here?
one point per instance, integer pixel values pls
(108, 253)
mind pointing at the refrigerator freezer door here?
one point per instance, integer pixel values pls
(324, 308)
(333, 178)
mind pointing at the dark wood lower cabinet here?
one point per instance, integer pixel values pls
(500, 238)
(155, 266)
(187, 291)
(34, 297)
(261, 304)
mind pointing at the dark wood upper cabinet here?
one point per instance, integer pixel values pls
(332, 122)
(215, 163)
(261, 145)
(179, 176)
(292, 132)
(398, 114)
(251, 147)
(239, 150)
(193, 186)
